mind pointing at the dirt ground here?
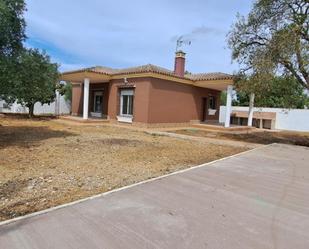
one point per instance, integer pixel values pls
(259, 137)
(46, 162)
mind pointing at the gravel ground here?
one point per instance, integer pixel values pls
(44, 162)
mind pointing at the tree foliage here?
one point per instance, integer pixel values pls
(281, 92)
(12, 35)
(12, 26)
(273, 39)
(26, 75)
(37, 79)
(223, 97)
(66, 90)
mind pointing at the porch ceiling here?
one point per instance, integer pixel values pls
(80, 76)
(219, 85)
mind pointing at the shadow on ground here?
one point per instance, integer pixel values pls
(266, 137)
(26, 136)
(271, 137)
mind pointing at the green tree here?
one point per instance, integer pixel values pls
(272, 40)
(12, 26)
(26, 75)
(37, 79)
(223, 96)
(281, 92)
(12, 30)
(66, 90)
(242, 99)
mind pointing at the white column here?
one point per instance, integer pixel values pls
(251, 105)
(228, 110)
(86, 98)
(57, 104)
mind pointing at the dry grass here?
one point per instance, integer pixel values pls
(44, 163)
(259, 137)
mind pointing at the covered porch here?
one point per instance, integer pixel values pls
(91, 92)
(219, 85)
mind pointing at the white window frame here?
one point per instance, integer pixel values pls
(96, 93)
(212, 111)
(214, 101)
(125, 93)
(128, 118)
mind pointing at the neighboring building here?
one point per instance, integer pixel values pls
(269, 118)
(147, 95)
(59, 107)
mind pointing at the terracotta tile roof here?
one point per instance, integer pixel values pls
(149, 68)
(209, 76)
(100, 69)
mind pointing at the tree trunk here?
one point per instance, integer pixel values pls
(31, 109)
(251, 106)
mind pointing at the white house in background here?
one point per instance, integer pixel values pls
(59, 107)
(269, 118)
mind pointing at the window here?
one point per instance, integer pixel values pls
(212, 102)
(98, 99)
(126, 102)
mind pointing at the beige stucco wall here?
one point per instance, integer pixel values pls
(141, 88)
(171, 102)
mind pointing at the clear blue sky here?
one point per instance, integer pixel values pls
(79, 33)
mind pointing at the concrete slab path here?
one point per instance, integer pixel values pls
(258, 199)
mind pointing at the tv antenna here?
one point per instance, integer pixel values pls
(181, 41)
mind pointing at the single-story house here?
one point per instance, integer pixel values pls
(148, 95)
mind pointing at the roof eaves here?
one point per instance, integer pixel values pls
(210, 76)
(90, 69)
(149, 68)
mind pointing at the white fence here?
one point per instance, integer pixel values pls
(60, 106)
(286, 119)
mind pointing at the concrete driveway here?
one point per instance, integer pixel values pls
(259, 199)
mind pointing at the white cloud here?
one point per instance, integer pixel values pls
(129, 33)
(68, 67)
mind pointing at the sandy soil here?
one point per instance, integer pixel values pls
(44, 163)
(259, 137)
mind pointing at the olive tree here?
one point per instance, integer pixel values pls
(272, 40)
(37, 79)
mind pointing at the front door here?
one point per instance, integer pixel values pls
(98, 102)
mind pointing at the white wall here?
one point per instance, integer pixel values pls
(286, 119)
(39, 109)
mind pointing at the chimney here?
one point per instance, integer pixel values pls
(180, 60)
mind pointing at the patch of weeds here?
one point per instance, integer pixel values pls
(120, 141)
(192, 130)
